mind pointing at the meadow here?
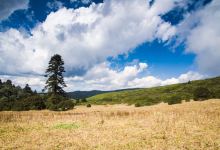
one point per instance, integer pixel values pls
(190, 125)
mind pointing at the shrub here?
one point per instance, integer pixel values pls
(107, 99)
(217, 93)
(83, 100)
(77, 101)
(88, 105)
(53, 102)
(201, 93)
(20, 105)
(34, 102)
(174, 100)
(65, 105)
(5, 105)
(59, 103)
(137, 105)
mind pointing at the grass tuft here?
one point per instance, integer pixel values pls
(66, 126)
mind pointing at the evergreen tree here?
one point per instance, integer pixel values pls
(55, 82)
(8, 83)
(27, 89)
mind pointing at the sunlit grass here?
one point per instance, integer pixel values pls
(192, 125)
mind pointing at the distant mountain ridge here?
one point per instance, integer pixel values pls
(84, 94)
(87, 94)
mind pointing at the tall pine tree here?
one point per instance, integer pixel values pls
(55, 82)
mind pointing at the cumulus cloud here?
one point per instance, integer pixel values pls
(85, 36)
(202, 34)
(7, 7)
(55, 5)
(36, 82)
(102, 77)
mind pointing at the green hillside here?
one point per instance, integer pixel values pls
(150, 96)
(86, 94)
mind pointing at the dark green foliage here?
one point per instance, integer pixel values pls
(174, 100)
(53, 101)
(5, 105)
(137, 105)
(202, 93)
(34, 102)
(66, 105)
(77, 101)
(84, 94)
(55, 82)
(83, 100)
(28, 90)
(58, 102)
(88, 105)
(14, 97)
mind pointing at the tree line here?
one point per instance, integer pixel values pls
(14, 97)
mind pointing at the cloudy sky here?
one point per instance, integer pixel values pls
(110, 44)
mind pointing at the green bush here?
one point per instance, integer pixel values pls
(88, 105)
(65, 105)
(53, 101)
(20, 105)
(217, 93)
(107, 99)
(137, 105)
(34, 102)
(59, 103)
(201, 93)
(174, 100)
(5, 105)
(83, 100)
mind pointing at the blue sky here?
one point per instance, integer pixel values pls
(110, 44)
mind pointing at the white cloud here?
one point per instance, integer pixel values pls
(85, 36)
(102, 77)
(151, 81)
(202, 33)
(7, 7)
(55, 4)
(36, 82)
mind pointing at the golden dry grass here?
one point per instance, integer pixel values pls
(192, 125)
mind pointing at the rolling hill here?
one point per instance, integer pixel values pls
(84, 94)
(150, 96)
(87, 94)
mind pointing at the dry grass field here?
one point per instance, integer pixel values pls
(192, 125)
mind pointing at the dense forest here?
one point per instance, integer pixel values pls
(16, 98)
